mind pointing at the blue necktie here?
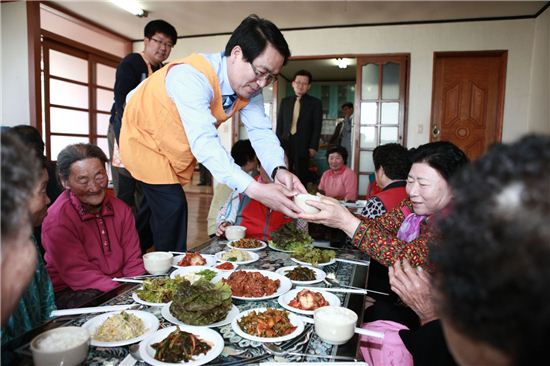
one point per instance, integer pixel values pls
(228, 101)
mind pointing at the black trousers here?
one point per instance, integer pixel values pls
(162, 217)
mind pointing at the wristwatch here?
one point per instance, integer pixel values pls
(274, 173)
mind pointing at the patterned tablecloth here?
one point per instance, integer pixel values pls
(240, 351)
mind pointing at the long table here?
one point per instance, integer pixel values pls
(237, 350)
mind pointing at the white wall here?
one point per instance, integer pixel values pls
(14, 65)
(538, 113)
(526, 98)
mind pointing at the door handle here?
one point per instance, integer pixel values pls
(435, 131)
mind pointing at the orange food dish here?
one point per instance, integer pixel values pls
(308, 300)
(251, 284)
(192, 259)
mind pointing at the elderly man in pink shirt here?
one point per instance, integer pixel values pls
(89, 236)
(339, 181)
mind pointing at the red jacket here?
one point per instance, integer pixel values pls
(260, 221)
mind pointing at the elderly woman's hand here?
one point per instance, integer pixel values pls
(332, 214)
(414, 288)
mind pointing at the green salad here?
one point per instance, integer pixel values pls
(289, 238)
(314, 256)
(159, 290)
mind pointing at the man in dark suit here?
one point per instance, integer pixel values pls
(299, 125)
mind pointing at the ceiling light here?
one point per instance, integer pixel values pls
(131, 6)
(342, 63)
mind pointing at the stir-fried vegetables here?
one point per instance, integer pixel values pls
(301, 274)
(246, 243)
(269, 323)
(288, 237)
(314, 255)
(179, 346)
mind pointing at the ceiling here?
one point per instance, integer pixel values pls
(193, 18)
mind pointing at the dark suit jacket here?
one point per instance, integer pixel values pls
(308, 129)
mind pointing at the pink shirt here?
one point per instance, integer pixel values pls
(86, 250)
(341, 184)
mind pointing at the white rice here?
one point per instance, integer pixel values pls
(60, 341)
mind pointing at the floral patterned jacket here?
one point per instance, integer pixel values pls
(378, 238)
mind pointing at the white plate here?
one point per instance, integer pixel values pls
(263, 246)
(210, 261)
(278, 250)
(319, 274)
(150, 322)
(253, 258)
(309, 264)
(206, 334)
(182, 271)
(284, 286)
(283, 300)
(138, 299)
(233, 313)
(294, 319)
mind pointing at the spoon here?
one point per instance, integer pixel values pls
(332, 281)
(278, 351)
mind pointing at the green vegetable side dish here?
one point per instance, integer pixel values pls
(179, 346)
(314, 256)
(207, 274)
(301, 274)
(202, 302)
(289, 238)
(159, 290)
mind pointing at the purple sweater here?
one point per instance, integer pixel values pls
(86, 250)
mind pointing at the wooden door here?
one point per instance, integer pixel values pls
(468, 99)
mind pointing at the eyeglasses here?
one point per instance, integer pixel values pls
(165, 44)
(264, 76)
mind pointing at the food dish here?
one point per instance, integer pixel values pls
(187, 271)
(253, 257)
(166, 314)
(206, 334)
(150, 322)
(139, 300)
(284, 286)
(294, 319)
(332, 261)
(284, 300)
(210, 261)
(277, 249)
(262, 246)
(319, 274)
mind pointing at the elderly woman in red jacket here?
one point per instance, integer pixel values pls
(89, 236)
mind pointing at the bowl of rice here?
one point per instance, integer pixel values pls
(65, 346)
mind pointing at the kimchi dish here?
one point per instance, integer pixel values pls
(192, 259)
(308, 300)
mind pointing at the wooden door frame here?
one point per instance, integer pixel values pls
(503, 54)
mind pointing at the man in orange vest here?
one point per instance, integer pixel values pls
(170, 122)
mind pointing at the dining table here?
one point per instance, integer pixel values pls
(237, 350)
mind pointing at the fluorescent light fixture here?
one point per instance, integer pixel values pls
(131, 6)
(342, 63)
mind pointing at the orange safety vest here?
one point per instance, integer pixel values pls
(153, 143)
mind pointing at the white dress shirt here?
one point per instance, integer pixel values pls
(192, 93)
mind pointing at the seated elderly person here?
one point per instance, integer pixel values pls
(403, 232)
(17, 266)
(89, 236)
(37, 301)
(491, 258)
(260, 221)
(391, 165)
(339, 182)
